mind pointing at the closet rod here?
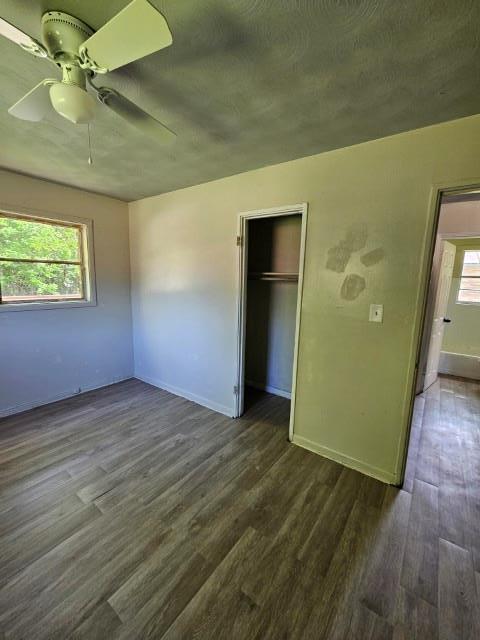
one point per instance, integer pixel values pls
(273, 275)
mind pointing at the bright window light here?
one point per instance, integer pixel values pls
(41, 261)
(470, 281)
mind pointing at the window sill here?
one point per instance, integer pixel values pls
(45, 306)
(467, 304)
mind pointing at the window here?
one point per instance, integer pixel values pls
(43, 262)
(470, 281)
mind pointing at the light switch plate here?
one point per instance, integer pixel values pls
(376, 313)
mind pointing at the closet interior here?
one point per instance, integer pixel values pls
(271, 299)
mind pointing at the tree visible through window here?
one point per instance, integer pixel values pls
(40, 261)
(470, 281)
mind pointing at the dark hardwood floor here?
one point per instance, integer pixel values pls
(130, 513)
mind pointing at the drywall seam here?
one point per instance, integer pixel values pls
(347, 461)
(26, 406)
(204, 402)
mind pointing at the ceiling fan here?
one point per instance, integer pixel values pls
(136, 31)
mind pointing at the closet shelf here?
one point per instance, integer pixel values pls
(273, 275)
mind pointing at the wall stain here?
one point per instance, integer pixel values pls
(354, 240)
(338, 258)
(373, 257)
(352, 286)
(357, 236)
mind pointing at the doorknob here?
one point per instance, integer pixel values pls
(446, 320)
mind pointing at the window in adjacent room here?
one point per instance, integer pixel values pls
(43, 262)
(470, 281)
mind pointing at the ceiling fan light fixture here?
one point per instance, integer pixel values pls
(136, 31)
(72, 102)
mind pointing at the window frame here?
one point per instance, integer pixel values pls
(87, 264)
(464, 250)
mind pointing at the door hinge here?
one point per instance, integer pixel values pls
(235, 390)
(239, 241)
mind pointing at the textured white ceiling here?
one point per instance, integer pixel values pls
(249, 83)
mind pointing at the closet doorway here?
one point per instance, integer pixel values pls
(271, 263)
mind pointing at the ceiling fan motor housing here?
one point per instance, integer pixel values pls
(62, 35)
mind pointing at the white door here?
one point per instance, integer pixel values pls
(441, 302)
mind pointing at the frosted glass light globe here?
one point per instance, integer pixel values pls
(72, 102)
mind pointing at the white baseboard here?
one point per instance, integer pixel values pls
(26, 406)
(269, 389)
(346, 461)
(183, 393)
(459, 364)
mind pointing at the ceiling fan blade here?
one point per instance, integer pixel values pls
(35, 105)
(136, 31)
(22, 39)
(135, 116)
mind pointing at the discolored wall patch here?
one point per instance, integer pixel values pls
(355, 240)
(373, 257)
(339, 256)
(352, 286)
(357, 236)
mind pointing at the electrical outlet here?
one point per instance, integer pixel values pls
(376, 313)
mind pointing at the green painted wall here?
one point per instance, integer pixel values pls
(463, 334)
(369, 215)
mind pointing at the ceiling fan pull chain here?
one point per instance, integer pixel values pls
(90, 161)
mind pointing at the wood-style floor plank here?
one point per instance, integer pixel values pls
(129, 513)
(458, 613)
(420, 560)
(381, 582)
